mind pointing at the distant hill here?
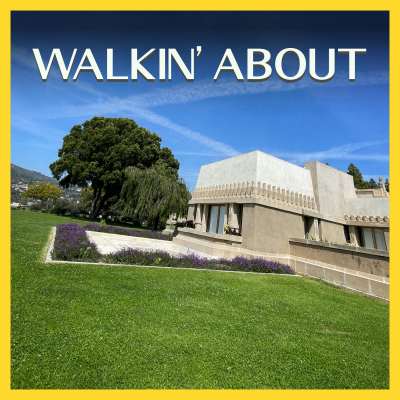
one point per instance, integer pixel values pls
(21, 178)
(23, 175)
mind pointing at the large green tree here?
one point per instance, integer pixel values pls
(97, 153)
(154, 194)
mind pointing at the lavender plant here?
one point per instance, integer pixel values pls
(163, 258)
(72, 244)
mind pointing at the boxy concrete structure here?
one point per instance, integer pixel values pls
(259, 205)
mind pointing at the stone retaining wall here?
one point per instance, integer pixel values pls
(355, 268)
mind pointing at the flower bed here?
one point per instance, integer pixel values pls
(128, 232)
(72, 244)
(163, 258)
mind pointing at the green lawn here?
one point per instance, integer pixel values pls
(86, 326)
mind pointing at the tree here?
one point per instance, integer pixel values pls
(359, 182)
(373, 184)
(155, 195)
(42, 191)
(97, 153)
(387, 185)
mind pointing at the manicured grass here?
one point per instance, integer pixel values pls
(87, 326)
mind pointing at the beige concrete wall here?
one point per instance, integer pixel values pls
(332, 231)
(267, 230)
(248, 226)
(331, 187)
(360, 282)
(368, 261)
(362, 270)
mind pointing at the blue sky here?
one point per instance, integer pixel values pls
(338, 122)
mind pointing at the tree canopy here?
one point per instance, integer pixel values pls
(153, 194)
(42, 191)
(373, 184)
(97, 153)
(359, 182)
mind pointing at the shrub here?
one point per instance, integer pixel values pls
(36, 207)
(65, 206)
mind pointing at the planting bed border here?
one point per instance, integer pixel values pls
(49, 260)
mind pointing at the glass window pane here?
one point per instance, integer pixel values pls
(380, 239)
(213, 219)
(369, 242)
(221, 220)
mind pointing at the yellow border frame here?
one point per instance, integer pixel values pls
(206, 5)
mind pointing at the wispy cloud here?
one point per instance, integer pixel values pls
(36, 128)
(139, 106)
(23, 56)
(345, 152)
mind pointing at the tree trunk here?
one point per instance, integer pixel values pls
(155, 222)
(100, 205)
(93, 214)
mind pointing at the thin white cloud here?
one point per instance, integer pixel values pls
(196, 153)
(22, 56)
(32, 127)
(345, 152)
(139, 105)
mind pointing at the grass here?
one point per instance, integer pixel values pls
(88, 326)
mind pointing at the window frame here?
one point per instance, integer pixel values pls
(373, 237)
(209, 217)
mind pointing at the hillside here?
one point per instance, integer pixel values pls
(22, 175)
(21, 178)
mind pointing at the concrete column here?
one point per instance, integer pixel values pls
(229, 214)
(316, 230)
(198, 217)
(353, 235)
(386, 235)
(205, 218)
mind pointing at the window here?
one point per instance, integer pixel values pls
(374, 238)
(216, 219)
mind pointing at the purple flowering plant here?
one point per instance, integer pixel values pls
(163, 258)
(72, 244)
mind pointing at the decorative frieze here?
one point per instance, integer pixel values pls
(366, 218)
(257, 190)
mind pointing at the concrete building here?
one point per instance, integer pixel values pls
(277, 206)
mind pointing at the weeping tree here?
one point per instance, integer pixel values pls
(154, 194)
